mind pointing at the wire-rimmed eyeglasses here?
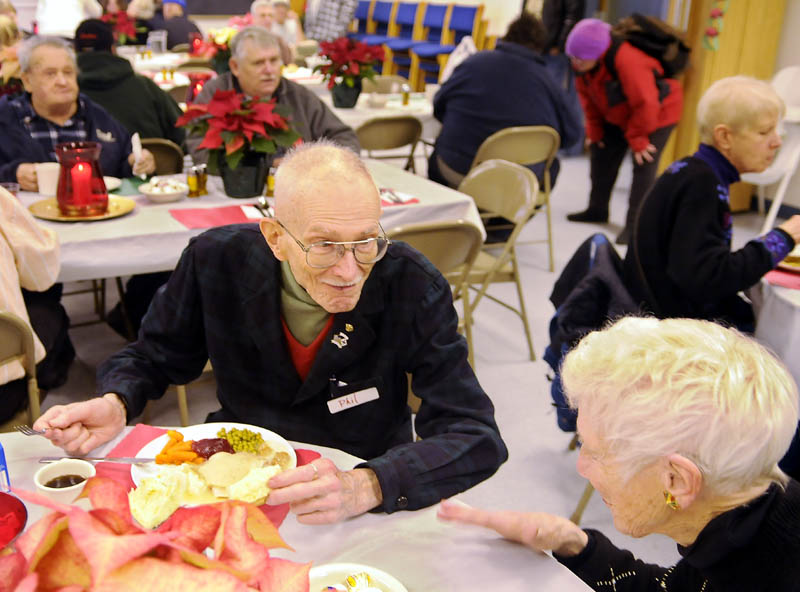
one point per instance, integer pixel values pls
(326, 253)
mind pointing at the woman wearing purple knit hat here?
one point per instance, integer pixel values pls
(636, 108)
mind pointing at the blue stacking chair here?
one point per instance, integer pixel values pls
(402, 19)
(360, 21)
(406, 25)
(379, 21)
(431, 31)
(429, 59)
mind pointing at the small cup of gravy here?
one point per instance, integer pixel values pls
(63, 481)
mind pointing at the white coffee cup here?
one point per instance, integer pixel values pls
(47, 177)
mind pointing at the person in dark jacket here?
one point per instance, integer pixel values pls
(493, 90)
(636, 109)
(175, 21)
(52, 111)
(682, 425)
(135, 101)
(680, 263)
(313, 323)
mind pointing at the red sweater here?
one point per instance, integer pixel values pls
(303, 355)
(641, 113)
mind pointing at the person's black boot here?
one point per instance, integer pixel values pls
(589, 215)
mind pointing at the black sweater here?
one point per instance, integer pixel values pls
(683, 239)
(752, 548)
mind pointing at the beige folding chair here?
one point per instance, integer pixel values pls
(305, 49)
(525, 145)
(179, 93)
(386, 133)
(168, 155)
(452, 247)
(181, 48)
(16, 344)
(196, 66)
(383, 84)
(501, 188)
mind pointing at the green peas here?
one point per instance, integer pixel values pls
(242, 440)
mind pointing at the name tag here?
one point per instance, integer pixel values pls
(353, 399)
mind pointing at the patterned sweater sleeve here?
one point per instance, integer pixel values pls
(604, 567)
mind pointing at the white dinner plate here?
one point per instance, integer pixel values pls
(333, 574)
(198, 432)
(112, 183)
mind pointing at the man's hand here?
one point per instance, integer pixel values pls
(81, 427)
(319, 493)
(26, 177)
(146, 164)
(792, 227)
(537, 530)
(645, 155)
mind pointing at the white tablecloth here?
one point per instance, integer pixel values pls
(149, 239)
(423, 553)
(778, 322)
(418, 105)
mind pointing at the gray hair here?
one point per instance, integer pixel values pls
(653, 387)
(259, 3)
(260, 36)
(736, 101)
(31, 44)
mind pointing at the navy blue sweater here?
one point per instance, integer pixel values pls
(493, 90)
(19, 147)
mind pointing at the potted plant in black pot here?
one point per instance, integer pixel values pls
(242, 134)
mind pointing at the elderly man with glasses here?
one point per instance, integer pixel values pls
(312, 322)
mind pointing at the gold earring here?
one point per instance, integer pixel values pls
(671, 502)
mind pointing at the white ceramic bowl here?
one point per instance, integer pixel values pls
(66, 466)
(162, 197)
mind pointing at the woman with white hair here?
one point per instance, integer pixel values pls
(679, 263)
(682, 425)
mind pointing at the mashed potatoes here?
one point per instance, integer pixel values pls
(242, 476)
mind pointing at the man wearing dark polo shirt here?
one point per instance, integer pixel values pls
(312, 324)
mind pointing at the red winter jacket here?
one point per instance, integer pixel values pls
(639, 113)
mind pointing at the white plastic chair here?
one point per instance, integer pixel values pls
(787, 84)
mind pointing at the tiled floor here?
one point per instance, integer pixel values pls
(519, 387)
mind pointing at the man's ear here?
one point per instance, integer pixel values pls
(682, 478)
(272, 232)
(234, 66)
(25, 81)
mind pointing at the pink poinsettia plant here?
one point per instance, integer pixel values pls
(233, 124)
(348, 59)
(104, 549)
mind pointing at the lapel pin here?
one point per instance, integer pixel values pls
(340, 340)
(348, 327)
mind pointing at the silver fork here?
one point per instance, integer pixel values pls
(28, 431)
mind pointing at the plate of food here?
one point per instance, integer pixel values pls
(352, 577)
(792, 261)
(112, 183)
(206, 463)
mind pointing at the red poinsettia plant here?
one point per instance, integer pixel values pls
(105, 549)
(349, 60)
(123, 27)
(232, 124)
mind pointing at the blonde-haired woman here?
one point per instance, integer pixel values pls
(10, 83)
(683, 423)
(679, 263)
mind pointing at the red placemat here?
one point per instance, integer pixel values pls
(386, 203)
(787, 279)
(210, 217)
(142, 434)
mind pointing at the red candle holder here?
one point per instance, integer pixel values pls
(81, 189)
(195, 42)
(196, 82)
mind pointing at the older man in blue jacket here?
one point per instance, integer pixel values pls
(312, 324)
(52, 111)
